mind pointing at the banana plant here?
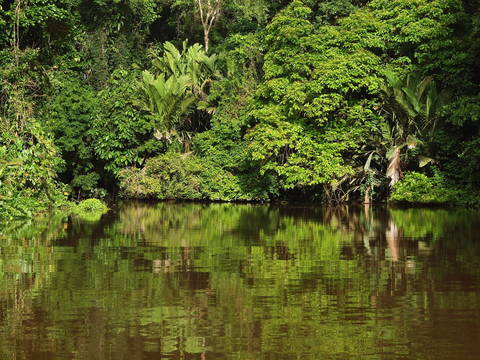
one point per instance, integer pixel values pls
(179, 88)
(191, 61)
(411, 105)
(169, 100)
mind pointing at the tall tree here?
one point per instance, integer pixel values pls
(307, 114)
(209, 11)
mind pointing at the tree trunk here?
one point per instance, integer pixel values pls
(209, 11)
(206, 39)
(394, 171)
(366, 199)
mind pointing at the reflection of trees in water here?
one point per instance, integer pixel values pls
(292, 238)
(188, 278)
(27, 265)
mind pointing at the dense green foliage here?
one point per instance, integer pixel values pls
(185, 176)
(416, 188)
(329, 100)
(90, 209)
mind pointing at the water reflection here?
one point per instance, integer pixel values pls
(220, 281)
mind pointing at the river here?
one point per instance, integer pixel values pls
(223, 281)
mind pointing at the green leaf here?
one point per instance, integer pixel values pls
(424, 161)
(367, 163)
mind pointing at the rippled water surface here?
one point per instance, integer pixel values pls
(190, 281)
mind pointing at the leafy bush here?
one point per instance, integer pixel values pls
(90, 209)
(418, 188)
(187, 177)
(68, 114)
(21, 207)
(122, 133)
(27, 173)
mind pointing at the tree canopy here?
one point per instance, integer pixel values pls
(237, 100)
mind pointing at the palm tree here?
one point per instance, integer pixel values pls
(182, 80)
(170, 101)
(411, 105)
(193, 62)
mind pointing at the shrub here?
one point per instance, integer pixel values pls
(68, 114)
(418, 188)
(122, 133)
(90, 209)
(186, 177)
(28, 163)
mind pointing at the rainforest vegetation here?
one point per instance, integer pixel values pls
(239, 100)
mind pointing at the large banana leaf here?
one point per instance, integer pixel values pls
(394, 170)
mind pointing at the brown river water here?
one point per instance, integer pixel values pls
(250, 282)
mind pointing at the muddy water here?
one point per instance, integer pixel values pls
(190, 281)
